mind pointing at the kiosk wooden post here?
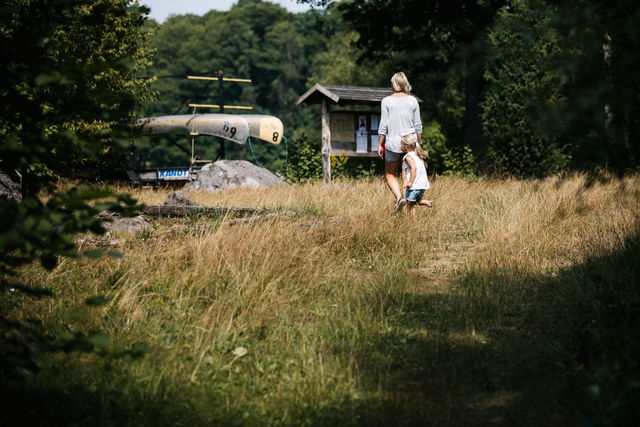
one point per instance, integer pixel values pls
(326, 143)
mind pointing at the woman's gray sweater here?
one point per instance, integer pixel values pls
(399, 115)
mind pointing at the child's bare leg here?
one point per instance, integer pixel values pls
(411, 209)
(427, 203)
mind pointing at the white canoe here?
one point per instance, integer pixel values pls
(234, 127)
(266, 128)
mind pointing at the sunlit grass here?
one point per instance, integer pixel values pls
(367, 319)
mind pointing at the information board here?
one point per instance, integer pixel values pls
(342, 127)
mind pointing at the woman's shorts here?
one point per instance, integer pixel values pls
(390, 156)
(414, 196)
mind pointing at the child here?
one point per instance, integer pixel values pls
(414, 175)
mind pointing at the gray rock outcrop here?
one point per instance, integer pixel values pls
(178, 198)
(119, 224)
(231, 174)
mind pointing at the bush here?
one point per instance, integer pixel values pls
(305, 161)
(458, 161)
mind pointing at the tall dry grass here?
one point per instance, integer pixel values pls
(368, 318)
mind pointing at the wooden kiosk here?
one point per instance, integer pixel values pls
(352, 130)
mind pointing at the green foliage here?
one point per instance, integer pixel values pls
(522, 88)
(339, 64)
(459, 161)
(356, 167)
(257, 40)
(305, 162)
(601, 49)
(444, 157)
(59, 99)
(35, 230)
(69, 74)
(440, 48)
(531, 86)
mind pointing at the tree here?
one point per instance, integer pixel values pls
(589, 30)
(255, 39)
(440, 45)
(69, 74)
(523, 86)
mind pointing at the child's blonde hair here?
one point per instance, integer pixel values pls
(411, 142)
(400, 83)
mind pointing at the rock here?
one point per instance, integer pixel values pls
(119, 224)
(178, 198)
(9, 189)
(231, 174)
(97, 243)
(128, 225)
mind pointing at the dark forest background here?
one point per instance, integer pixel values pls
(525, 88)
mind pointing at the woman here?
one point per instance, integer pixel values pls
(400, 115)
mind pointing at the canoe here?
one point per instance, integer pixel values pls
(234, 127)
(266, 128)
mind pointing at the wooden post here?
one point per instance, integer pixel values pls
(326, 143)
(221, 152)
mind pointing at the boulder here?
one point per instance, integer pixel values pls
(231, 174)
(178, 198)
(119, 224)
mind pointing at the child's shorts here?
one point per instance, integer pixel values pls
(414, 196)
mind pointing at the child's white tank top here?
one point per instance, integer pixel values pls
(422, 181)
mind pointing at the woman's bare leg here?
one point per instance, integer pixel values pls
(390, 172)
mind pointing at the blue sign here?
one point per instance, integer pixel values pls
(173, 174)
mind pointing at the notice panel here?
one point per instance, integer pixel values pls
(361, 141)
(375, 122)
(342, 127)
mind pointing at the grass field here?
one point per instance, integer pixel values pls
(509, 303)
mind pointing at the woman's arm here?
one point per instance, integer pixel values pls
(417, 121)
(380, 143)
(384, 118)
(383, 126)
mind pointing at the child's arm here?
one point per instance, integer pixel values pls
(412, 175)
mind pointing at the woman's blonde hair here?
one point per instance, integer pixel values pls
(400, 83)
(411, 142)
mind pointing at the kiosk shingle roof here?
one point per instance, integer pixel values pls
(345, 94)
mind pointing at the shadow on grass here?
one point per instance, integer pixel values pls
(26, 405)
(505, 348)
